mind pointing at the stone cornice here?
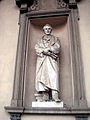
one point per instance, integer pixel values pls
(49, 111)
(30, 2)
(26, 5)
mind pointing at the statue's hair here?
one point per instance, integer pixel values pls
(47, 25)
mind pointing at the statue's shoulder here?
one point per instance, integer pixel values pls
(39, 42)
(56, 39)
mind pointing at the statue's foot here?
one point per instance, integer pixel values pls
(39, 97)
(57, 100)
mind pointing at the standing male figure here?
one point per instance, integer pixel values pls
(47, 67)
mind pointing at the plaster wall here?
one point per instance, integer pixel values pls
(89, 118)
(47, 117)
(9, 14)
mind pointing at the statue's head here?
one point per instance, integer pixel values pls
(47, 29)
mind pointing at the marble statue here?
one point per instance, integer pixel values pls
(47, 66)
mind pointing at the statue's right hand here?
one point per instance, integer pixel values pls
(46, 50)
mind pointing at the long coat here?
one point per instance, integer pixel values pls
(47, 67)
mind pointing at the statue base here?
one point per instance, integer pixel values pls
(47, 104)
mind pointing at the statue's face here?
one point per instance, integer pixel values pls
(47, 30)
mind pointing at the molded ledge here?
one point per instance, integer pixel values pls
(49, 111)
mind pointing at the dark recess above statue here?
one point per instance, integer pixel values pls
(30, 2)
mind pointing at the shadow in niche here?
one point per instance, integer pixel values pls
(64, 65)
(66, 1)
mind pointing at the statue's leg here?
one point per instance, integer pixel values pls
(55, 96)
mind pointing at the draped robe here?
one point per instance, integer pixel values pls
(47, 66)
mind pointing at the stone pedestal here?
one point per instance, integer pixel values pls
(47, 104)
